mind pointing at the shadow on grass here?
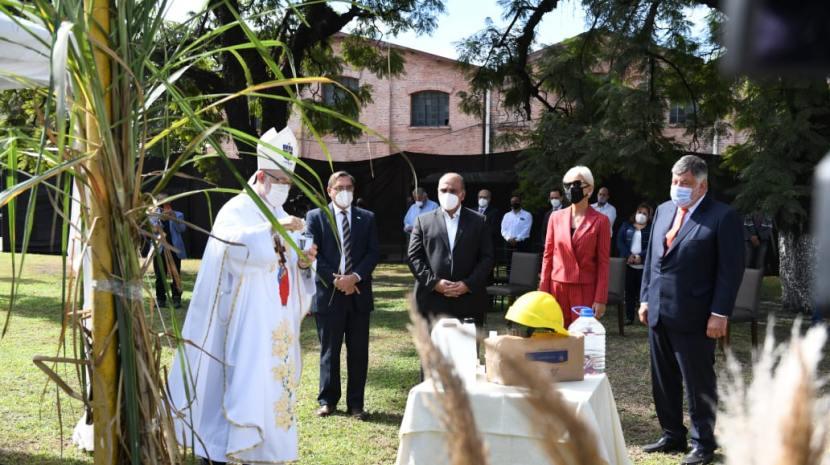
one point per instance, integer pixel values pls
(394, 376)
(385, 418)
(22, 281)
(8, 457)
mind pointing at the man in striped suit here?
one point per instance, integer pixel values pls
(344, 293)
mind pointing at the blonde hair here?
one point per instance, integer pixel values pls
(581, 171)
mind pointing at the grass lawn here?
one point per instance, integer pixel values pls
(32, 432)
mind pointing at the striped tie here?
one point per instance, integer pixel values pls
(347, 243)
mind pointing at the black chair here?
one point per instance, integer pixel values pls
(524, 277)
(747, 304)
(616, 289)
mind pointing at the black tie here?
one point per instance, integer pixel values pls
(347, 243)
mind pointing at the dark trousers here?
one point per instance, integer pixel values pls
(343, 321)
(160, 269)
(633, 279)
(678, 359)
(755, 256)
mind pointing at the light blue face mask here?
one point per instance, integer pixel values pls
(681, 196)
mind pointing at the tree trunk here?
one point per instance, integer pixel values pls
(796, 251)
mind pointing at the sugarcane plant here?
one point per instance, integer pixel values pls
(111, 103)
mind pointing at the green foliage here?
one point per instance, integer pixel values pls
(789, 126)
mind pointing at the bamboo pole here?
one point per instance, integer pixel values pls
(104, 342)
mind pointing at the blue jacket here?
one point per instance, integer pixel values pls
(176, 229)
(701, 272)
(365, 250)
(626, 234)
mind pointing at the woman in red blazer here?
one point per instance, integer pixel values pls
(577, 249)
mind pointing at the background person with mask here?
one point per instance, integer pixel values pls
(344, 298)
(492, 217)
(421, 205)
(171, 223)
(515, 228)
(632, 242)
(575, 261)
(556, 200)
(606, 208)
(451, 255)
(237, 391)
(693, 268)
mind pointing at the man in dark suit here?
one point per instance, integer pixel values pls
(557, 202)
(693, 268)
(492, 217)
(344, 292)
(451, 255)
(757, 238)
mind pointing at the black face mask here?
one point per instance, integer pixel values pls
(516, 206)
(575, 194)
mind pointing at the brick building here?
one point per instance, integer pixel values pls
(416, 112)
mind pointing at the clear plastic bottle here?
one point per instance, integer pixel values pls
(594, 334)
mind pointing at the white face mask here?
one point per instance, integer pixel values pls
(448, 201)
(419, 203)
(278, 194)
(343, 198)
(681, 196)
(555, 203)
(640, 218)
(483, 203)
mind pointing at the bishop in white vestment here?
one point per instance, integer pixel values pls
(234, 382)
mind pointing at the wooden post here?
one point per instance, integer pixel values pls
(104, 341)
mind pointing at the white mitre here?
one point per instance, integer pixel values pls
(270, 159)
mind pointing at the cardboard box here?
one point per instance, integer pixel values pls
(562, 356)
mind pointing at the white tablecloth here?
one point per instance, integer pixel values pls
(501, 420)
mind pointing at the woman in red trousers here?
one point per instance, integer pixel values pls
(577, 249)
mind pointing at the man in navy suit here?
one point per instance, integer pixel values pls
(693, 268)
(344, 292)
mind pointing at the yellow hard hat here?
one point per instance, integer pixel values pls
(537, 309)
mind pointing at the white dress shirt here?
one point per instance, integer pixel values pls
(338, 216)
(608, 210)
(637, 246)
(452, 226)
(516, 225)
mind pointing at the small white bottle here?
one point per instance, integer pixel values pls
(594, 334)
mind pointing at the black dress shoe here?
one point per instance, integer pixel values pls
(698, 457)
(324, 411)
(665, 444)
(359, 414)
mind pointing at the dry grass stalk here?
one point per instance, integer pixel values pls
(567, 439)
(779, 418)
(464, 442)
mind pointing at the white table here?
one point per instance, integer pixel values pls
(500, 417)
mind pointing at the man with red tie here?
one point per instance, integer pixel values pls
(693, 268)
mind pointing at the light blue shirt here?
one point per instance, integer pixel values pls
(177, 228)
(414, 211)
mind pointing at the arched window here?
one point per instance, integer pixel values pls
(430, 108)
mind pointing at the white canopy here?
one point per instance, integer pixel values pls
(24, 53)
